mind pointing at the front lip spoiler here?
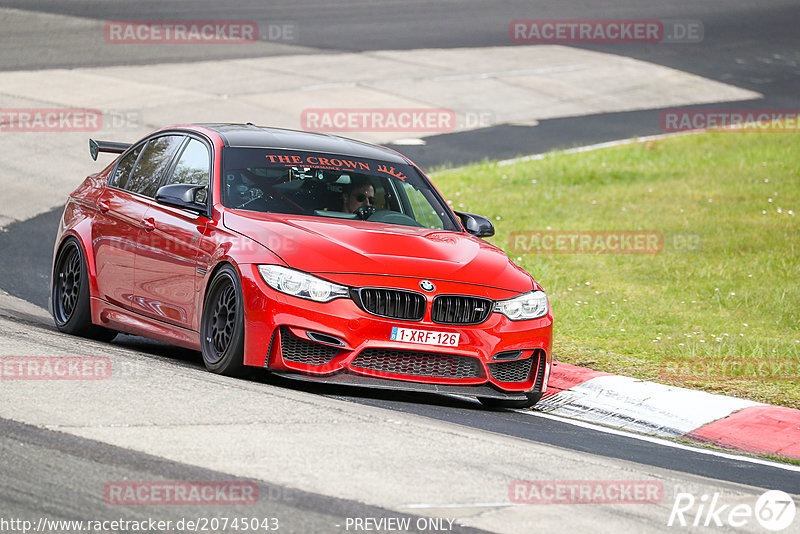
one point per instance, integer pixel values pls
(350, 379)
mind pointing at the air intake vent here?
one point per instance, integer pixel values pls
(541, 361)
(416, 363)
(295, 349)
(392, 303)
(458, 309)
(516, 371)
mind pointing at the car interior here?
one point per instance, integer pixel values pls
(319, 192)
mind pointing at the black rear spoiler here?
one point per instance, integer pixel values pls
(95, 147)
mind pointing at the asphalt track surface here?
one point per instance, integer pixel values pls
(750, 45)
(68, 470)
(61, 476)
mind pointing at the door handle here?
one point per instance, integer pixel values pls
(149, 224)
(104, 206)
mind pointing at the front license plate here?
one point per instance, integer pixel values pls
(425, 337)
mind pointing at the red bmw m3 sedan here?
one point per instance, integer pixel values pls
(313, 256)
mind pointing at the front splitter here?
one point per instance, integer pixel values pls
(350, 379)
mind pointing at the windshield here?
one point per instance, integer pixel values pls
(328, 185)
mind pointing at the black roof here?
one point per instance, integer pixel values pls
(250, 135)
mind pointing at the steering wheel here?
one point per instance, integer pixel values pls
(394, 217)
(365, 212)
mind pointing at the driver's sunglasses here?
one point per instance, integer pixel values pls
(363, 198)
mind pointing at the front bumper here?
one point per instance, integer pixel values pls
(485, 391)
(339, 342)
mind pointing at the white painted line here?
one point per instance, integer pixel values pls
(525, 124)
(662, 441)
(473, 505)
(409, 141)
(576, 150)
(644, 437)
(598, 146)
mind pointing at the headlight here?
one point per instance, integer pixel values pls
(299, 284)
(528, 306)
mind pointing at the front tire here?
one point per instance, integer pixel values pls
(72, 310)
(222, 325)
(533, 398)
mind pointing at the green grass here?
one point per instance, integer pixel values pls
(724, 292)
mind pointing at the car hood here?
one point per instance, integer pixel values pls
(320, 245)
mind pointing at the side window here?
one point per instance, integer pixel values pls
(423, 211)
(154, 162)
(120, 178)
(193, 165)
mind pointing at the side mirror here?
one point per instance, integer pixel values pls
(477, 225)
(187, 196)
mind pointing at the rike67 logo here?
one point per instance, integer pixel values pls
(774, 511)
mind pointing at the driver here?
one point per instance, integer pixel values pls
(359, 192)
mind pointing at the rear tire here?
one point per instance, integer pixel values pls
(72, 311)
(222, 325)
(533, 398)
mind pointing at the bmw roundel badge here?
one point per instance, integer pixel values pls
(427, 285)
